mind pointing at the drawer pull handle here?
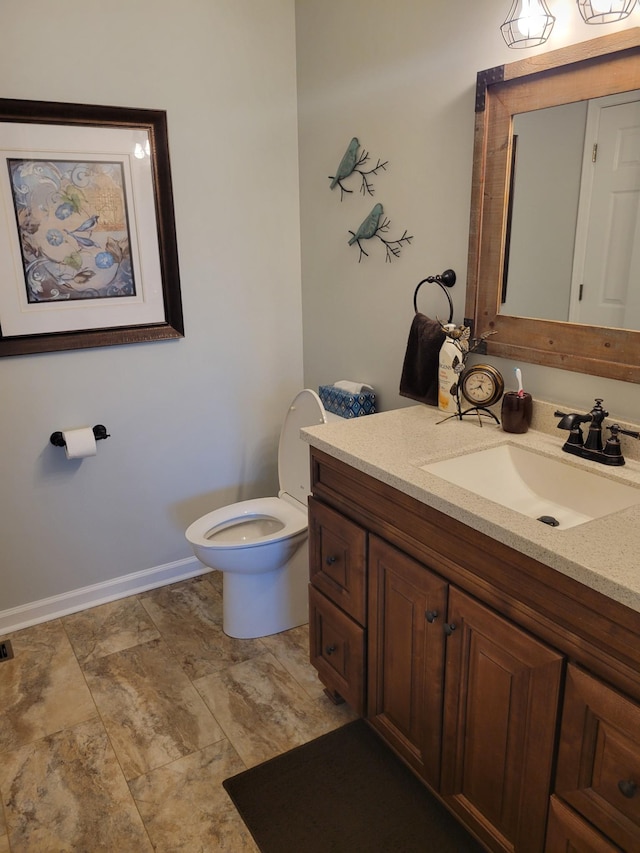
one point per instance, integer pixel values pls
(627, 788)
(330, 650)
(331, 560)
(431, 615)
(449, 628)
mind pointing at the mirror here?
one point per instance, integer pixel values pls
(580, 262)
(507, 99)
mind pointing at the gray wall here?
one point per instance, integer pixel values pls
(401, 77)
(194, 422)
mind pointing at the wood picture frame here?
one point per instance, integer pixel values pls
(88, 250)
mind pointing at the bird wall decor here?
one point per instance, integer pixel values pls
(375, 225)
(351, 162)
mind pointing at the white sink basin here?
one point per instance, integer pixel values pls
(536, 485)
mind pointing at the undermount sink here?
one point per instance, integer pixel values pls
(537, 486)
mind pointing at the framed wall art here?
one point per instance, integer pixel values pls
(88, 253)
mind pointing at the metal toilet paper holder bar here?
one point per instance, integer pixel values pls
(57, 438)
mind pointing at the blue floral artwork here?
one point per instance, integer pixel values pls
(73, 229)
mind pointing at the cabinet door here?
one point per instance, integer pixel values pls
(501, 706)
(406, 654)
(567, 833)
(337, 559)
(337, 649)
(599, 757)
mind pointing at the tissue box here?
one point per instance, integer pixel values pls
(346, 404)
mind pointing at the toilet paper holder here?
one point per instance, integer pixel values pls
(57, 438)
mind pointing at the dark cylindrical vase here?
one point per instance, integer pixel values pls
(516, 412)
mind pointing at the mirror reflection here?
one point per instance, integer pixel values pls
(572, 249)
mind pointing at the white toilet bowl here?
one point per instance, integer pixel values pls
(260, 545)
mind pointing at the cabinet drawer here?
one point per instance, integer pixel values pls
(599, 757)
(566, 832)
(337, 556)
(337, 649)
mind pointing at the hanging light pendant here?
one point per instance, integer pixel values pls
(605, 11)
(529, 23)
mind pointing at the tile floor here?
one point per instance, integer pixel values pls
(120, 723)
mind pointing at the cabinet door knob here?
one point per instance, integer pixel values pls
(431, 615)
(331, 560)
(330, 650)
(627, 788)
(449, 628)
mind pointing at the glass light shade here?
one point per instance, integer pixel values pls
(605, 11)
(529, 23)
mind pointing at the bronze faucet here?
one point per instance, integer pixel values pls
(592, 448)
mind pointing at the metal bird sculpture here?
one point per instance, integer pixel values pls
(348, 162)
(368, 227)
(375, 225)
(460, 335)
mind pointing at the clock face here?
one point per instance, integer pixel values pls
(482, 385)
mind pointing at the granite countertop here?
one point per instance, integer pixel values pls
(391, 446)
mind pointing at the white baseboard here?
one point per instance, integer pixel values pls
(100, 593)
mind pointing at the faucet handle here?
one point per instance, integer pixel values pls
(616, 428)
(612, 452)
(598, 414)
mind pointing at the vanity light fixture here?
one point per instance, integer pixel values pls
(528, 24)
(605, 11)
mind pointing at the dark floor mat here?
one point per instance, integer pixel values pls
(344, 792)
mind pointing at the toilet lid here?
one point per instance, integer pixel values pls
(293, 453)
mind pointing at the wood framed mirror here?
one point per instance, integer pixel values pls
(601, 67)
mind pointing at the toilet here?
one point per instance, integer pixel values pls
(260, 545)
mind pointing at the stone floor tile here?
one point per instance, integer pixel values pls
(42, 689)
(4, 839)
(291, 648)
(62, 769)
(66, 793)
(189, 617)
(185, 808)
(152, 712)
(264, 711)
(109, 628)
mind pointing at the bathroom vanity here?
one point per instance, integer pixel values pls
(498, 657)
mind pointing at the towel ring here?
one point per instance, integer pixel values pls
(447, 279)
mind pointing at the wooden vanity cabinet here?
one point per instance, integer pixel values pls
(433, 647)
(599, 757)
(501, 704)
(465, 646)
(337, 604)
(407, 609)
(567, 833)
(338, 556)
(337, 650)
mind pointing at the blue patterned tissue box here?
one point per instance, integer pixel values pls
(346, 404)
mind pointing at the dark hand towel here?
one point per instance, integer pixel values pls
(420, 370)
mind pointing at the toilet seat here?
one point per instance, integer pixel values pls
(282, 517)
(306, 410)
